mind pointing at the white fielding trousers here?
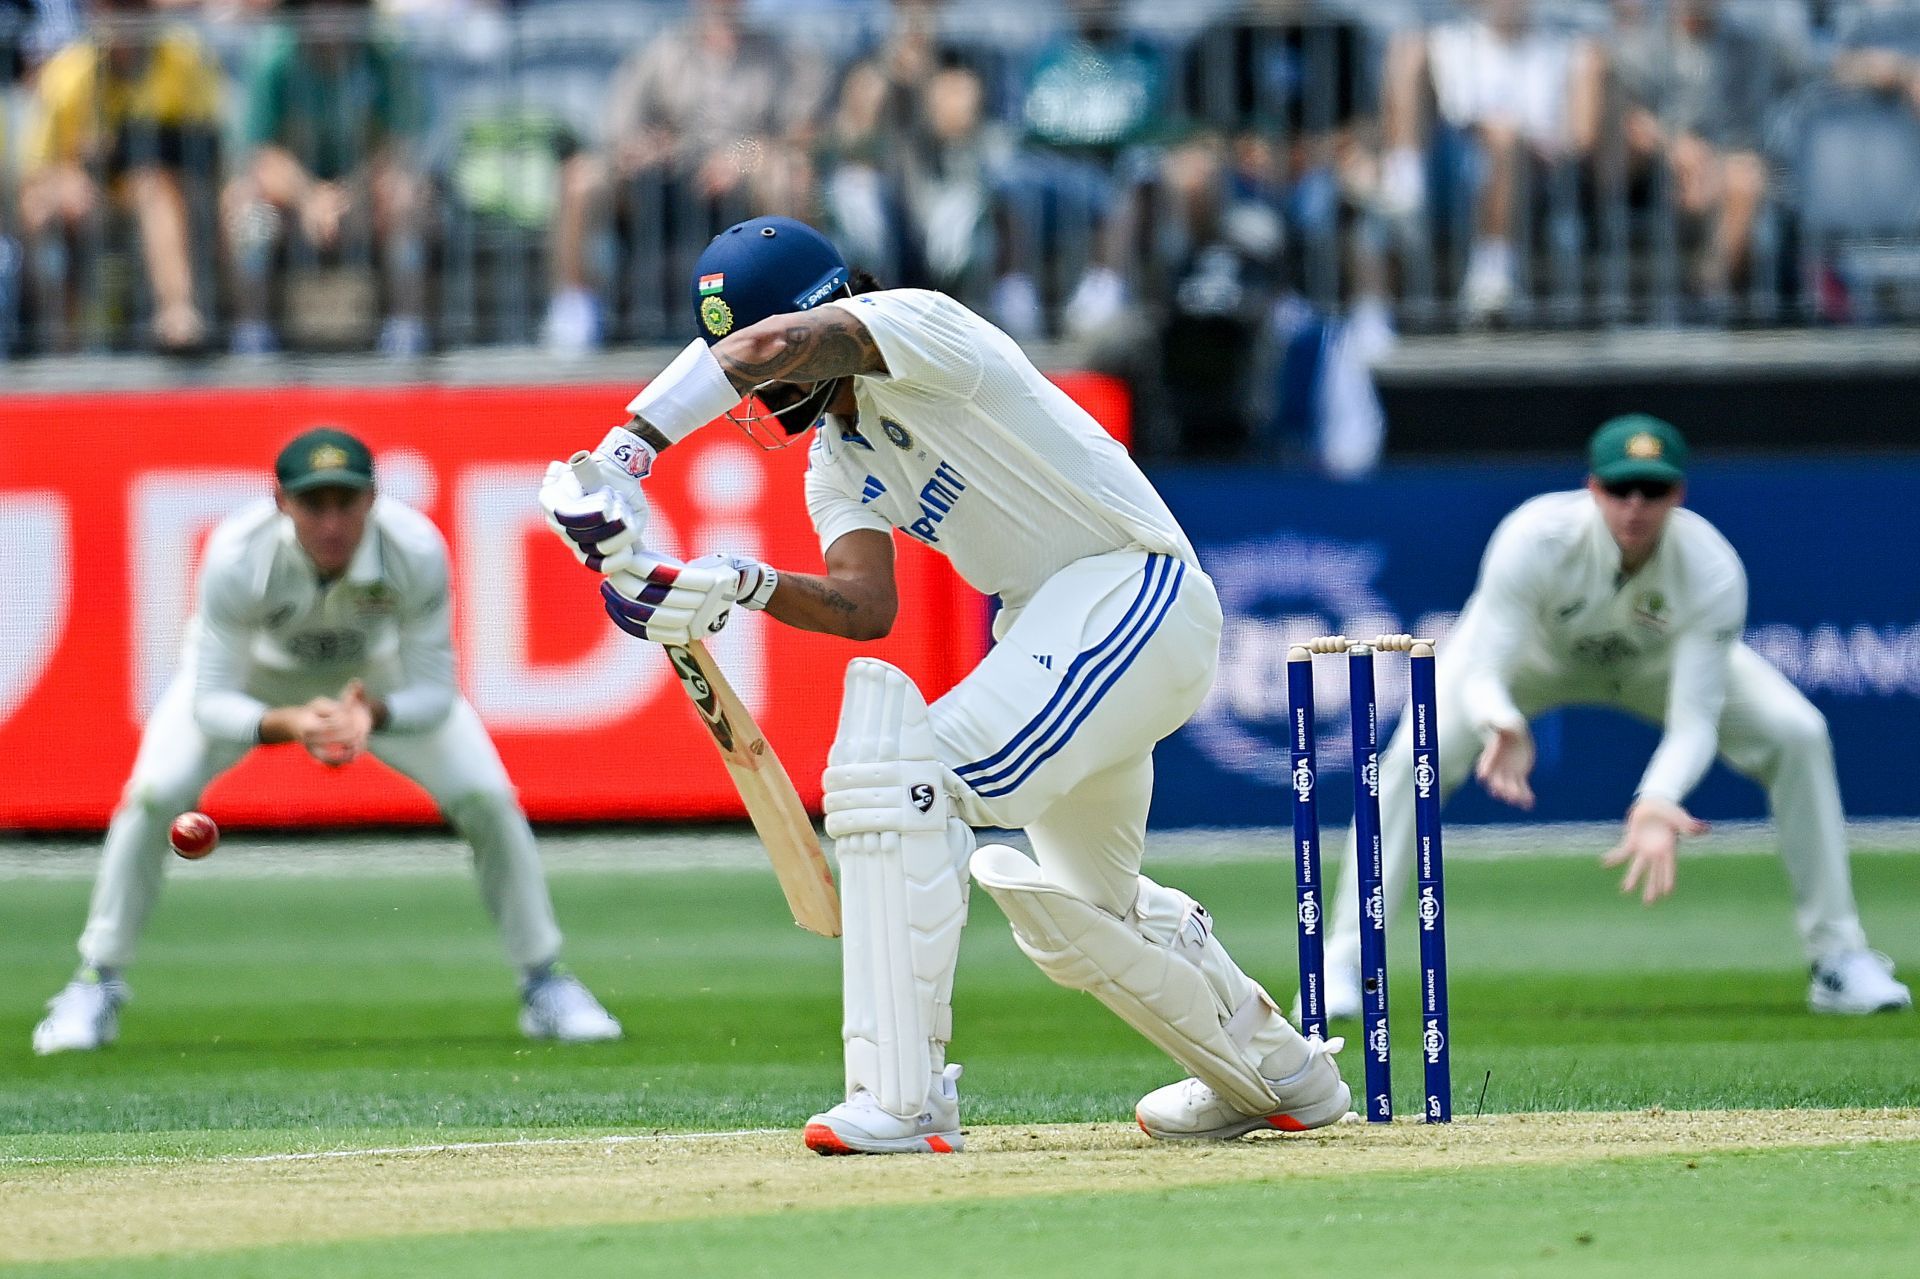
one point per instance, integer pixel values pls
(1769, 732)
(455, 763)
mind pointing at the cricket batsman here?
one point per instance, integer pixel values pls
(323, 619)
(933, 422)
(1615, 595)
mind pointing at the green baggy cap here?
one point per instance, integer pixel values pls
(1638, 446)
(323, 458)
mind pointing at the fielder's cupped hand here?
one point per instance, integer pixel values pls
(670, 603)
(1650, 846)
(335, 731)
(600, 527)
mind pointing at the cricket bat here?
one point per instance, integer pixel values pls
(774, 807)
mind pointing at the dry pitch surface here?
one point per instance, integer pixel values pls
(52, 1212)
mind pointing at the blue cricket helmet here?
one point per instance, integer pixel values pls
(762, 267)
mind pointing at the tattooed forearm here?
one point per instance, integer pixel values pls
(822, 593)
(810, 346)
(856, 608)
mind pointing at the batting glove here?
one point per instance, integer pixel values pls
(657, 599)
(601, 525)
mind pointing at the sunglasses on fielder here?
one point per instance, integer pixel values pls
(1652, 490)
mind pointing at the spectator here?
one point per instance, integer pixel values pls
(707, 124)
(42, 28)
(903, 160)
(1694, 98)
(122, 119)
(1522, 96)
(1880, 49)
(16, 19)
(1280, 152)
(328, 125)
(1089, 98)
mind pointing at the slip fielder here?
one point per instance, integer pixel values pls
(933, 422)
(1615, 595)
(322, 619)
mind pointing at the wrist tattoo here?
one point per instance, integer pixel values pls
(647, 431)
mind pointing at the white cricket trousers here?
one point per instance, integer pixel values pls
(1768, 731)
(1053, 732)
(455, 763)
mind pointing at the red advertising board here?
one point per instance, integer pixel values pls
(105, 502)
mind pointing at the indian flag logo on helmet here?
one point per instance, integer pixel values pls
(711, 284)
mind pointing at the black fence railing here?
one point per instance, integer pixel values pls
(548, 172)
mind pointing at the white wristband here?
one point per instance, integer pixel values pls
(688, 394)
(762, 590)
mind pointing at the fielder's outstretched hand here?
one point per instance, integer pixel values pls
(1505, 766)
(1650, 844)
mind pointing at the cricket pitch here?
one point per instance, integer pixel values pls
(54, 1212)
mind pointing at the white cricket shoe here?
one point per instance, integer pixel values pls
(1341, 995)
(558, 1007)
(85, 1015)
(857, 1126)
(1856, 982)
(1313, 1097)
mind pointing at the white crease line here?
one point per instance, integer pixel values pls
(613, 1139)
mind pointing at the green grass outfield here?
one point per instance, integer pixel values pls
(362, 1004)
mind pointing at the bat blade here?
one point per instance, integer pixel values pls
(772, 804)
(774, 807)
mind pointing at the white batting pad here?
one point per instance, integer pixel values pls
(903, 898)
(1153, 982)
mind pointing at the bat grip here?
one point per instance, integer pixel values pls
(587, 471)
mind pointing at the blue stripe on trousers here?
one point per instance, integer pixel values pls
(1042, 736)
(1068, 682)
(1165, 607)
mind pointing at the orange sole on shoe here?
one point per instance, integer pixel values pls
(825, 1141)
(1284, 1123)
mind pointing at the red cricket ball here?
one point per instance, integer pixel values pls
(193, 835)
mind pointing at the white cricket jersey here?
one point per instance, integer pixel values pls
(266, 619)
(1551, 600)
(966, 447)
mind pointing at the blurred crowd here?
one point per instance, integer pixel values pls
(1248, 198)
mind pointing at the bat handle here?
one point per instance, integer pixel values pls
(587, 471)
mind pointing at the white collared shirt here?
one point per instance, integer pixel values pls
(264, 614)
(1551, 598)
(969, 449)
